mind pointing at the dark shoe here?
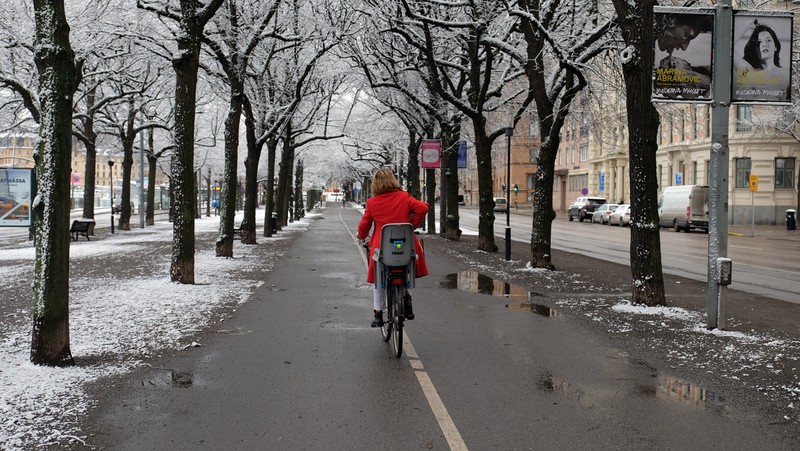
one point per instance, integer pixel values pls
(378, 320)
(408, 309)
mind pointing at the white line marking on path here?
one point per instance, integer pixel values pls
(449, 429)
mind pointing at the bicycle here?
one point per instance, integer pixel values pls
(394, 272)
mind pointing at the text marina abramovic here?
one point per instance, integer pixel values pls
(675, 75)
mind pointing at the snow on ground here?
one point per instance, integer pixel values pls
(41, 406)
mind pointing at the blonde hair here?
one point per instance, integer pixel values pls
(383, 182)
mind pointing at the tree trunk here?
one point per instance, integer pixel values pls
(90, 174)
(251, 189)
(284, 181)
(298, 191)
(182, 164)
(269, 221)
(483, 152)
(647, 286)
(55, 62)
(543, 214)
(127, 137)
(413, 163)
(150, 215)
(452, 223)
(227, 201)
(430, 194)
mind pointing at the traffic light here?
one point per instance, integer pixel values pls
(516, 188)
(504, 187)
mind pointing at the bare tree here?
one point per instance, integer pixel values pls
(635, 21)
(233, 44)
(58, 79)
(192, 19)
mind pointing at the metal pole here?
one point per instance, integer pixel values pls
(141, 177)
(509, 131)
(718, 199)
(111, 177)
(752, 213)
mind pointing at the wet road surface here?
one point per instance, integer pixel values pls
(298, 367)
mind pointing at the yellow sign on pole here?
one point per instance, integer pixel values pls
(753, 183)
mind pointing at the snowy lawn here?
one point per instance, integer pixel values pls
(115, 322)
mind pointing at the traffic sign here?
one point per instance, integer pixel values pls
(753, 182)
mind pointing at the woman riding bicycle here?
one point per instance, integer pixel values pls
(390, 204)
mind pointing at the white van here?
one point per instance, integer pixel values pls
(684, 208)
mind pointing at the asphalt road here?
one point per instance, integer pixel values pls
(766, 265)
(299, 368)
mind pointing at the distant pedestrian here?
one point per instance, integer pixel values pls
(344, 202)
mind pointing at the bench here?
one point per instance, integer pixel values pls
(238, 232)
(80, 227)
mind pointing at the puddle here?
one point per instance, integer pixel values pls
(162, 377)
(236, 331)
(538, 309)
(475, 282)
(662, 387)
(683, 392)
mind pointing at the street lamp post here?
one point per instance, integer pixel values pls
(111, 184)
(509, 131)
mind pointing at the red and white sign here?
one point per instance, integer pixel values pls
(431, 153)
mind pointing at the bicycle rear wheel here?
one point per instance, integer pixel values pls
(395, 298)
(386, 329)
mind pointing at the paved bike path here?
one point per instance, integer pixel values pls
(303, 370)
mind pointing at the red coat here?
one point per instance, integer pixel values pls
(388, 208)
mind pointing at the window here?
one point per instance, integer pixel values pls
(578, 182)
(744, 118)
(743, 172)
(671, 130)
(693, 120)
(784, 173)
(585, 126)
(694, 173)
(660, 175)
(531, 182)
(534, 129)
(534, 154)
(682, 127)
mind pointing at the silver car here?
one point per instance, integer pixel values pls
(602, 213)
(621, 216)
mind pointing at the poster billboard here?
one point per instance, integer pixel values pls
(683, 54)
(16, 189)
(462, 155)
(431, 153)
(762, 52)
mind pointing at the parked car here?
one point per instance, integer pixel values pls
(461, 200)
(684, 208)
(500, 205)
(602, 213)
(583, 207)
(621, 215)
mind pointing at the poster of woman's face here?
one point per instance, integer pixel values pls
(762, 49)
